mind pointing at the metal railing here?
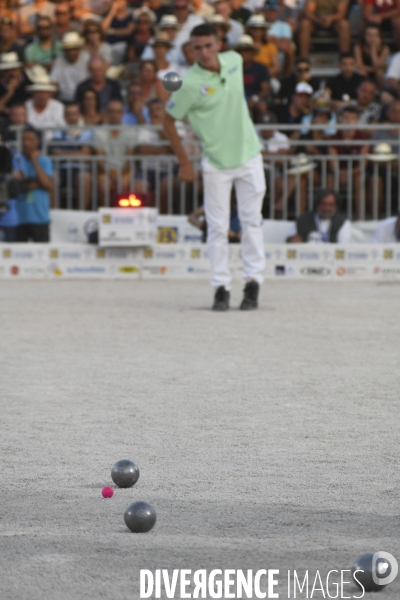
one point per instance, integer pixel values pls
(367, 189)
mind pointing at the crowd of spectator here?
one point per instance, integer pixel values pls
(75, 65)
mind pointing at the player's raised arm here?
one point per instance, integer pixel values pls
(186, 171)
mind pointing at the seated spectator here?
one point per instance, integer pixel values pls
(31, 12)
(224, 8)
(319, 14)
(43, 111)
(159, 9)
(274, 144)
(349, 117)
(295, 111)
(70, 69)
(90, 107)
(169, 25)
(323, 224)
(290, 13)
(79, 145)
(13, 82)
(136, 112)
(256, 78)
(377, 12)
(393, 76)
(369, 111)
(45, 50)
(107, 89)
(202, 9)
(221, 27)
(280, 33)
(8, 208)
(161, 46)
(371, 55)
(33, 206)
(186, 21)
(198, 219)
(91, 9)
(320, 101)
(118, 26)
(151, 85)
(388, 231)
(187, 51)
(115, 144)
(9, 10)
(94, 42)
(148, 143)
(17, 116)
(8, 36)
(63, 22)
(387, 149)
(343, 87)
(144, 29)
(302, 74)
(311, 146)
(239, 12)
(267, 55)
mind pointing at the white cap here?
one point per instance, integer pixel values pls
(304, 88)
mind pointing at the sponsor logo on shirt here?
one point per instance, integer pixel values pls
(233, 69)
(206, 90)
(170, 104)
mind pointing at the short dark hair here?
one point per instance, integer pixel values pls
(323, 193)
(82, 99)
(204, 30)
(29, 129)
(349, 108)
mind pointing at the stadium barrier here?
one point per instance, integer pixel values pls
(366, 188)
(321, 262)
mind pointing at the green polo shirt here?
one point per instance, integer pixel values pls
(216, 108)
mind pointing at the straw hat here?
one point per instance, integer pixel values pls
(9, 60)
(246, 42)
(145, 11)
(257, 21)
(161, 38)
(382, 153)
(42, 83)
(219, 20)
(169, 21)
(72, 39)
(300, 164)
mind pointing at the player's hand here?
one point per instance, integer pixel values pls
(186, 172)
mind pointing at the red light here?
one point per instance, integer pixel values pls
(132, 201)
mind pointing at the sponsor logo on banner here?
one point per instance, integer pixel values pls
(23, 254)
(148, 253)
(388, 254)
(195, 253)
(340, 254)
(315, 271)
(387, 272)
(353, 271)
(6, 253)
(119, 253)
(291, 254)
(167, 235)
(280, 270)
(100, 253)
(14, 270)
(193, 237)
(155, 270)
(309, 255)
(69, 254)
(86, 269)
(32, 271)
(357, 255)
(198, 270)
(166, 254)
(53, 253)
(128, 269)
(106, 218)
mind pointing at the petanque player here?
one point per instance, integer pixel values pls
(212, 97)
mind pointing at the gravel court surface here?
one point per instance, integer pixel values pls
(264, 440)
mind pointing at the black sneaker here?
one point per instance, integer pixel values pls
(221, 299)
(250, 298)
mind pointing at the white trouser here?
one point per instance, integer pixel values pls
(249, 182)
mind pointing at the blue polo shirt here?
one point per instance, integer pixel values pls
(34, 206)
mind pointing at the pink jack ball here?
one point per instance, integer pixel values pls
(107, 492)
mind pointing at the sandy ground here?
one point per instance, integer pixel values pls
(265, 440)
